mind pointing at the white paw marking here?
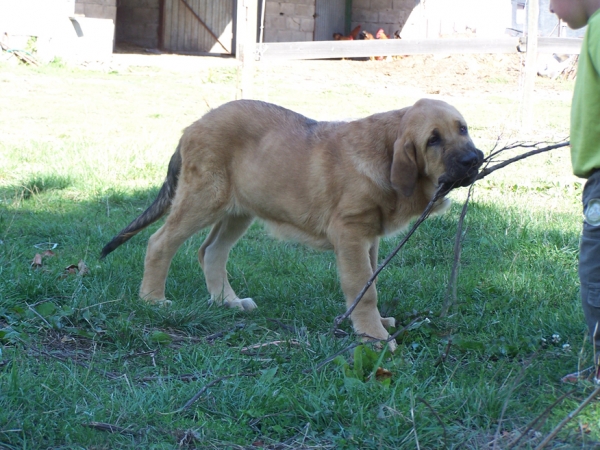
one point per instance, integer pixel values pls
(388, 322)
(244, 304)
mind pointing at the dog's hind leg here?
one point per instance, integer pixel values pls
(186, 218)
(213, 255)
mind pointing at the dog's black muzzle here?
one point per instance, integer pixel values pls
(463, 170)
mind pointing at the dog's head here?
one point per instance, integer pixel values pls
(433, 142)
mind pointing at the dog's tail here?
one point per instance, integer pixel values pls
(155, 211)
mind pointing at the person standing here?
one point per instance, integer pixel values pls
(585, 158)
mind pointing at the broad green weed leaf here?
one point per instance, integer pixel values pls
(352, 383)
(340, 361)
(160, 337)
(46, 309)
(365, 361)
(370, 358)
(358, 363)
(268, 375)
(19, 310)
(11, 336)
(83, 333)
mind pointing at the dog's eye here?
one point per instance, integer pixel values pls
(463, 130)
(433, 140)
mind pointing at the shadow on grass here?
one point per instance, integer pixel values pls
(88, 335)
(507, 261)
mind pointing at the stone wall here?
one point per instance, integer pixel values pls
(294, 20)
(97, 9)
(137, 22)
(289, 21)
(390, 15)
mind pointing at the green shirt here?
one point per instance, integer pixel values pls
(585, 110)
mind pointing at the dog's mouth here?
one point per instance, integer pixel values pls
(461, 181)
(464, 170)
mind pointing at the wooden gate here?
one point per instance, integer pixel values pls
(198, 26)
(330, 18)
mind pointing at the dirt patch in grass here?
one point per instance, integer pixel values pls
(434, 74)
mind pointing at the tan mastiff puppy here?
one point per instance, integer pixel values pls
(331, 185)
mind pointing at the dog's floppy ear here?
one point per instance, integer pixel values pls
(405, 171)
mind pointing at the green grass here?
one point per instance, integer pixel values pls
(82, 153)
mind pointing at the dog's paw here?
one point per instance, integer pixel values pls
(388, 322)
(244, 304)
(378, 336)
(392, 346)
(248, 304)
(379, 345)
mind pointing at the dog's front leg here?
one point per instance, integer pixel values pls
(387, 322)
(355, 255)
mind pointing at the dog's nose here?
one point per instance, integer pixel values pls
(471, 159)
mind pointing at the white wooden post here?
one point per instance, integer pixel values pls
(533, 13)
(246, 31)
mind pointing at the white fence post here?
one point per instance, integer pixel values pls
(527, 110)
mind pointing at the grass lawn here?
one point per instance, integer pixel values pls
(85, 364)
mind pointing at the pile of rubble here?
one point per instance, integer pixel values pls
(558, 66)
(12, 55)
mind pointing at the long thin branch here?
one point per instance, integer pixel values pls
(533, 423)
(451, 289)
(493, 153)
(439, 193)
(437, 416)
(508, 395)
(442, 190)
(452, 284)
(103, 426)
(332, 357)
(485, 172)
(563, 422)
(404, 328)
(207, 386)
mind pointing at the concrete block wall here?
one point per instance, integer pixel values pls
(97, 9)
(289, 21)
(137, 22)
(293, 20)
(391, 15)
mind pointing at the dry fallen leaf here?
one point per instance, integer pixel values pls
(382, 374)
(70, 270)
(37, 261)
(79, 269)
